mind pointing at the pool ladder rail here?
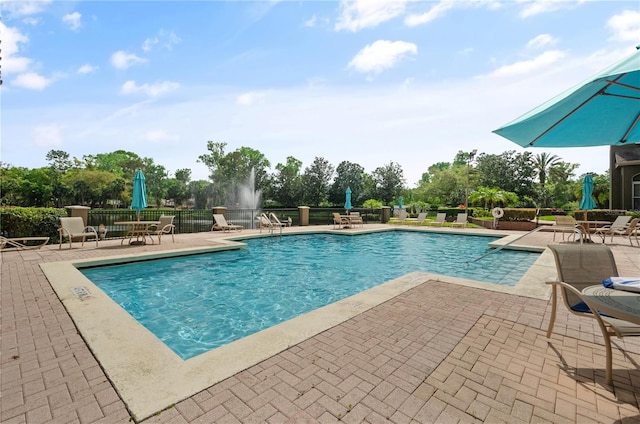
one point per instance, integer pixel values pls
(535, 230)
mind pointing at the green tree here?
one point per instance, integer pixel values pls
(510, 171)
(348, 174)
(315, 181)
(229, 170)
(201, 191)
(543, 164)
(287, 183)
(59, 163)
(389, 181)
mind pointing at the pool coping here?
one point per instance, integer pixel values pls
(150, 377)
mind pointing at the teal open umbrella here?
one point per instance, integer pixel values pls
(603, 110)
(587, 203)
(347, 203)
(139, 198)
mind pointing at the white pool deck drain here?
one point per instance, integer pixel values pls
(150, 377)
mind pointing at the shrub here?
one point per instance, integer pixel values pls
(30, 222)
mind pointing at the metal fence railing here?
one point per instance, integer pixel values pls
(201, 220)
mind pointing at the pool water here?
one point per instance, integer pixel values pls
(199, 302)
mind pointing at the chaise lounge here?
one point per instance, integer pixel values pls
(220, 224)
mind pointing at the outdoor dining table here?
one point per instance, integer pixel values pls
(137, 229)
(620, 304)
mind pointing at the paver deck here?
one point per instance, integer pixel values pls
(438, 353)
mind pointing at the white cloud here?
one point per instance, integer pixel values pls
(432, 14)
(31, 81)
(529, 66)
(248, 99)
(72, 20)
(87, 69)
(537, 7)
(31, 21)
(625, 26)
(46, 136)
(151, 90)
(165, 39)
(11, 40)
(311, 22)
(542, 40)
(124, 60)
(359, 14)
(24, 7)
(381, 55)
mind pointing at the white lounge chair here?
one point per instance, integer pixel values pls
(618, 226)
(73, 228)
(275, 221)
(461, 220)
(422, 216)
(220, 224)
(23, 242)
(441, 218)
(265, 222)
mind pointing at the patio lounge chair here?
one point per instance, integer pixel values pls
(441, 218)
(275, 221)
(73, 228)
(420, 219)
(565, 224)
(165, 226)
(617, 227)
(580, 266)
(23, 242)
(220, 224)
(461, 220)
(265, 222)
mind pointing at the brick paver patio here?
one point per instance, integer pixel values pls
(439, 353)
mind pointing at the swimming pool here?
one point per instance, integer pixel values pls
(200, 302)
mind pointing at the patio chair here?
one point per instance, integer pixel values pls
(165, 226)
(441, 218)
(356, 219)
(565, 224)
(618, 226)
(220, 224)
(461, 220)
(73, 228)
(580, 266)
(339, 221)
(23, 242)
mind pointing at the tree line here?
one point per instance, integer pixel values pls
(105, 180)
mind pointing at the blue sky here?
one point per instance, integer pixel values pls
(370, 81)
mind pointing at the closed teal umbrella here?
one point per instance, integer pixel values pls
(587, 203)
(347, 203)
(139, 199)
(400, 202)
(603, 110)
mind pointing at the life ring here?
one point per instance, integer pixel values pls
(497, 212)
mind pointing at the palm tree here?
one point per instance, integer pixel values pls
(543, 163)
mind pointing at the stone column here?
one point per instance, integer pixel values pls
(303, 214)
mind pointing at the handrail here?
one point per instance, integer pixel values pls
(535, 230)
